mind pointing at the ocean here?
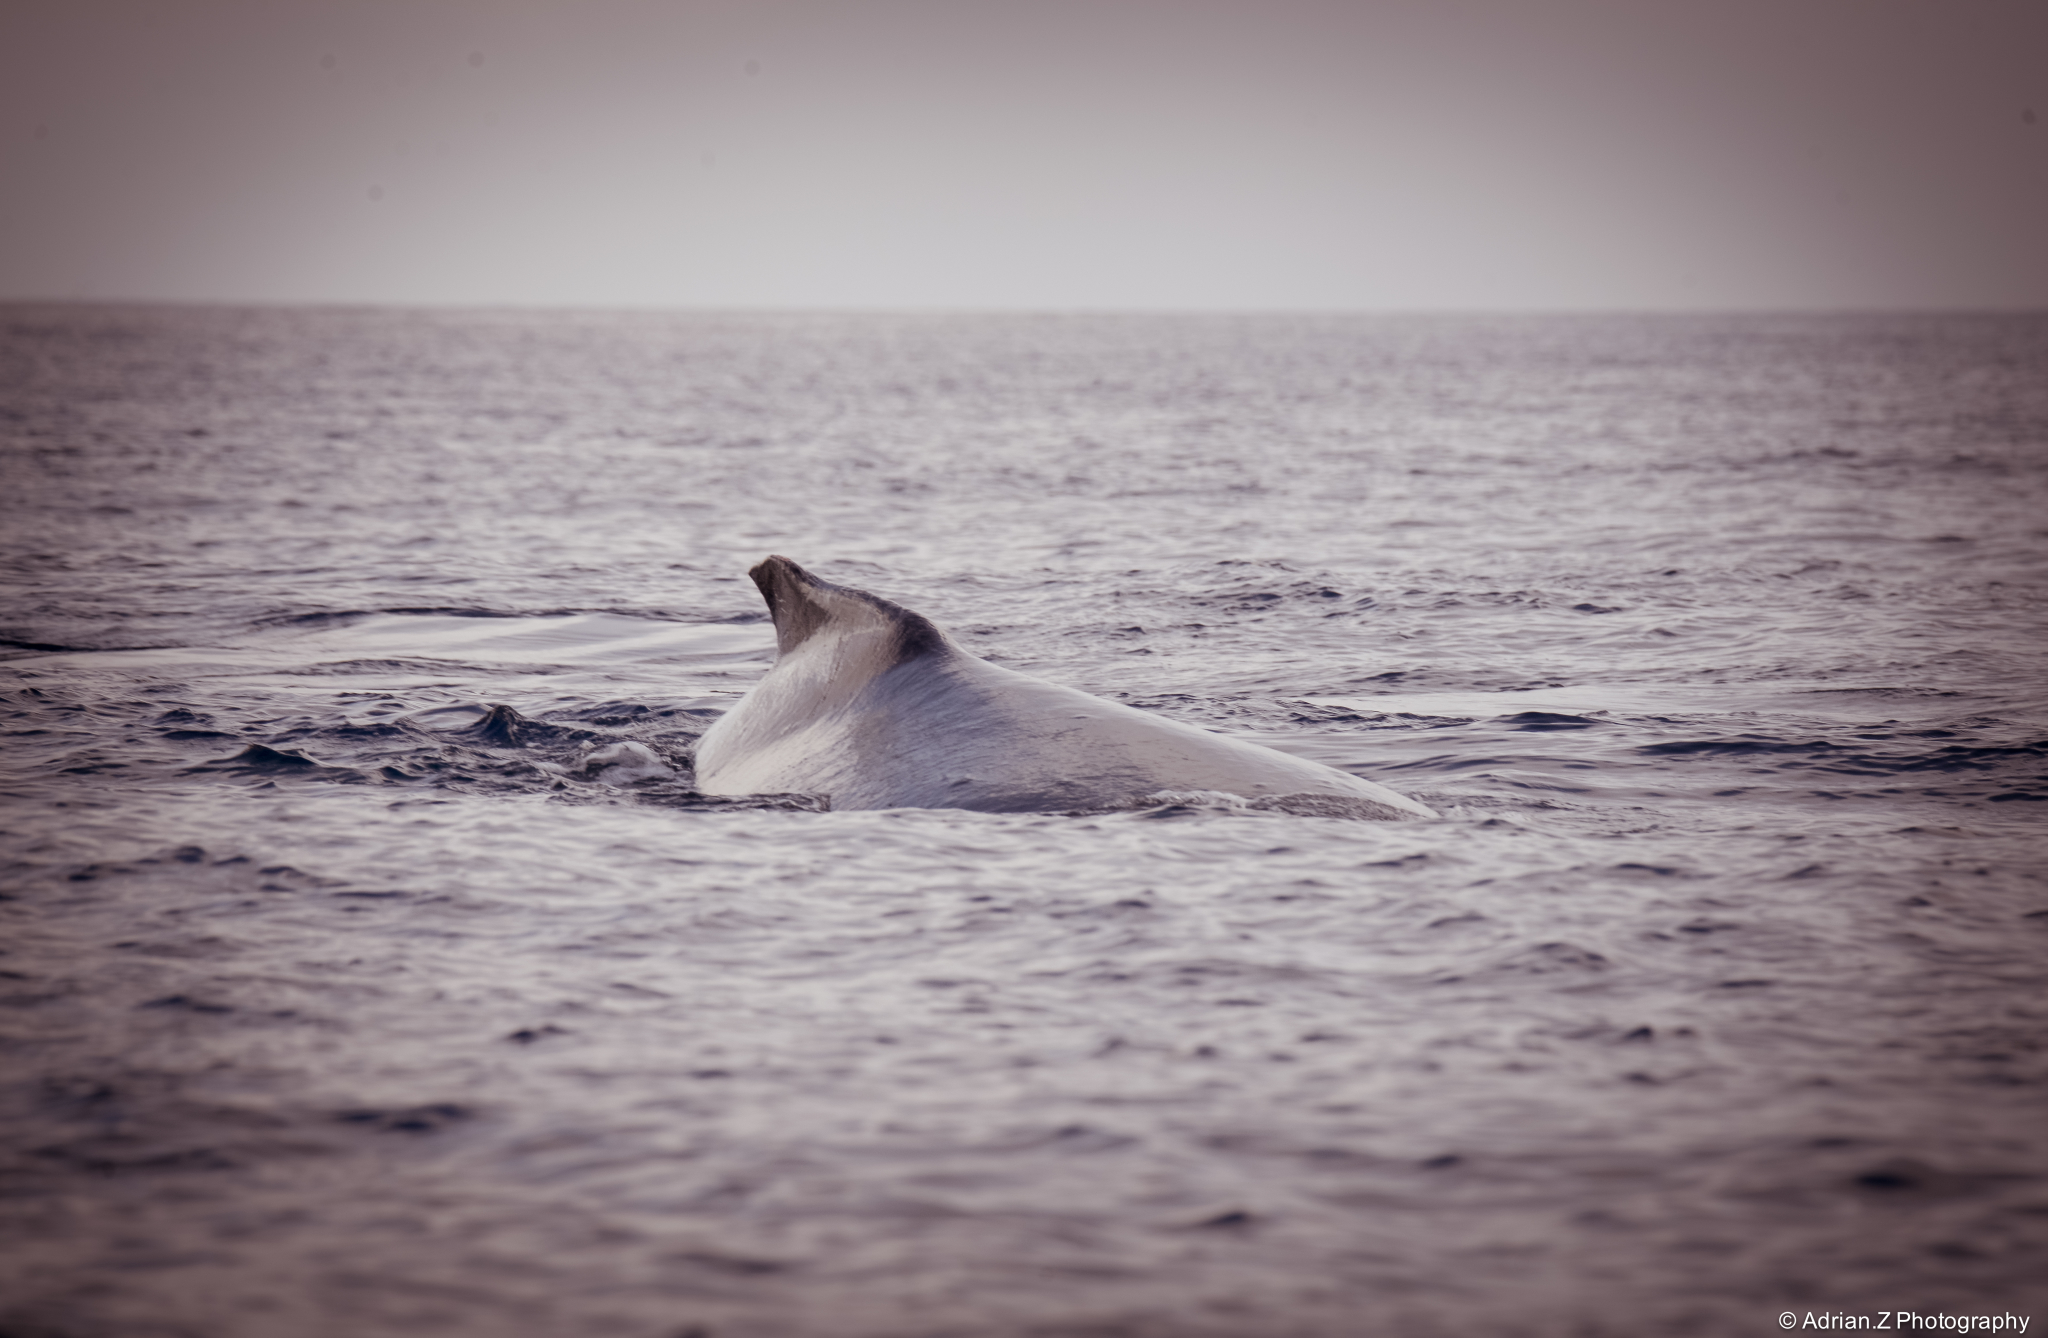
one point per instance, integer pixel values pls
(337, 1002)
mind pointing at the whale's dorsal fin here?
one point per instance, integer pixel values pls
(802, 606)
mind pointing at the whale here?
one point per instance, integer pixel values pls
(873, 706)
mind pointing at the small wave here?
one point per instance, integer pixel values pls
(1177, 803)
(1826, 755)
(1547, 720)
(262, 760)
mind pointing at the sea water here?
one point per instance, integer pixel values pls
(338, 1003)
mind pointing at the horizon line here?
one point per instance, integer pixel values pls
(767, 309)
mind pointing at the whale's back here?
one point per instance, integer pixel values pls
(874, 706)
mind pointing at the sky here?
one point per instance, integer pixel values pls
(1375, 155)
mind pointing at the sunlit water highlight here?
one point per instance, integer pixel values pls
(338, 1004)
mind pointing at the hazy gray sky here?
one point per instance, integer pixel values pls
(1462, 154)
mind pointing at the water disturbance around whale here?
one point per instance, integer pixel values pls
(876, 707)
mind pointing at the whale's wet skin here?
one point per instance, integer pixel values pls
(375, 960)
(871, 706)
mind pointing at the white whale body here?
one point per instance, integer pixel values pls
(875, 707)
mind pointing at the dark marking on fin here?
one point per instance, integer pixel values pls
(789, 591)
